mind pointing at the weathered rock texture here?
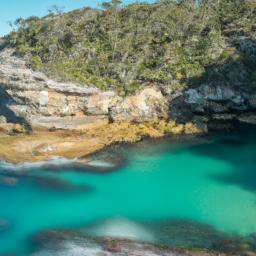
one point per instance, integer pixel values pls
(33, 100)
(30, 98)
(208, 104)
(30, 101)
(74, 243)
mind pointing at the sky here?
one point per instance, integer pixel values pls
(12, 9)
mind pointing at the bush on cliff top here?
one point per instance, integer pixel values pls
(169, 43)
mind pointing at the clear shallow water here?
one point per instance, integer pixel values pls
(165, 188)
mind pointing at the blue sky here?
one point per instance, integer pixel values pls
(12, 9)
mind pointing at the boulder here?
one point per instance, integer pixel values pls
(148, 105)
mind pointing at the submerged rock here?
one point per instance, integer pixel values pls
(8, 181)
(71, 243)
(4, 225)
(184, 232)
(237, 247)
(57, 184)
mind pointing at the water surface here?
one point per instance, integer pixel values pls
(167, 188)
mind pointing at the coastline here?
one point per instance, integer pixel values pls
(108, 246)
(44, 144)
(70, 241)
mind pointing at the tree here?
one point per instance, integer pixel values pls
(56, 10)
(112, 5)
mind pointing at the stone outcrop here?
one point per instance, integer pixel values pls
(217, 99)
(210, 103)
(30, 98)
(149, 105)
(73, 243)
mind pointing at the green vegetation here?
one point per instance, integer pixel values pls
(169, 43)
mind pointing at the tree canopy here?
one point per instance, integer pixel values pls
(168, 43)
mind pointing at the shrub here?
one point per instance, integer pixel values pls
(36, 62)
(128, 47)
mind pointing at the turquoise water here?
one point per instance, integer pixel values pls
(205, 181)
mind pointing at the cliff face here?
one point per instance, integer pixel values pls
(195, 66)
(214, 105)
(30, 101)
(33, 100)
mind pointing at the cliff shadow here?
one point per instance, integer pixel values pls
(11, 117)
(234, 68)
(237, 149)
(237, 70)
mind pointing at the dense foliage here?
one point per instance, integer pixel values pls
(169, 43)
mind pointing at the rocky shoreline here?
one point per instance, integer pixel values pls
(43, 145)
(41, 118)
(71, 243)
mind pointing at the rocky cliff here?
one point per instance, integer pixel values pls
(215, 106)
(32, 100)
(51, 111)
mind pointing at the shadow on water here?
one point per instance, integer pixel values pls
(5, 110)
(49, 183)
(238, 177)
(237, 149)
(180, 232)
(4, 226)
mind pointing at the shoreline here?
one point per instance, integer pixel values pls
(68, 241)
(43, 145)
(116, 244)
